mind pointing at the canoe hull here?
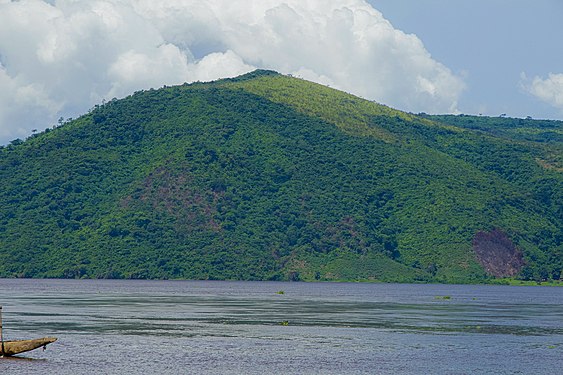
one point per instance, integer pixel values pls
(13, 347)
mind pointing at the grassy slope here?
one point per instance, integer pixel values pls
(485, 174)
(267, 176)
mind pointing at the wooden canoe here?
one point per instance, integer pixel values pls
(13, 347)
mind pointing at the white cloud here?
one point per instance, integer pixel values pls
(218, 64)
(549, 90)
(62, 57)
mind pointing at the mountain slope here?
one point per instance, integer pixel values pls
(271, 177)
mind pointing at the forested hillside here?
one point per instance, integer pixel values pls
(271, 177)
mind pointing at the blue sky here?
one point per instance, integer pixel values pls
(492, 44)
(59, 58)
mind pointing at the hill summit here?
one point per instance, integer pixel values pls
(270, 177)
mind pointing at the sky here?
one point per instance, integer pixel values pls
(59, 58)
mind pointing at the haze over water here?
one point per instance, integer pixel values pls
(213, 327)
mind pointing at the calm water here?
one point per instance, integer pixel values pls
(192, 327)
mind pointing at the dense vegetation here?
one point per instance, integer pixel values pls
(271, 177)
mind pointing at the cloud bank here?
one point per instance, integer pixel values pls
(549, 90)
(59, 58)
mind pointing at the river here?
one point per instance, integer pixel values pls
(218, 327)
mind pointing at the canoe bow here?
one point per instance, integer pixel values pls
(13, 347)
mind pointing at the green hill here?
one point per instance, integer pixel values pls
(271, 177)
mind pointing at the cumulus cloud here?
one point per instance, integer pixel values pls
(59, 58)
(549, 90)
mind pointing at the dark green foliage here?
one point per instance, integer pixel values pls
(251, 178)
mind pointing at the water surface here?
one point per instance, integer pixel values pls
(213, 327)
